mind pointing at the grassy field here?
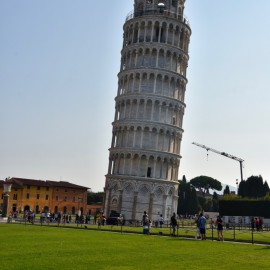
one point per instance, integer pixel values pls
(43, 247)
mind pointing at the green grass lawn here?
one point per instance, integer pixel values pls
(237, 234)
(42, 247)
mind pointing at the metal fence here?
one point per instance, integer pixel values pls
(186, 229)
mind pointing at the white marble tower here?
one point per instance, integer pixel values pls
(147, 130)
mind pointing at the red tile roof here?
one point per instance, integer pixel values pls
(20, 182)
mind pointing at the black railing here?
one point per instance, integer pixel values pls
(187, 229)
(166, 13)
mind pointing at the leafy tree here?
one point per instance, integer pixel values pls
(253, 187)
(241, 189)
(194, 205)
(266, 188)
(184, 179)
(267, 197)
(215, 196)
(93, 198)
(226, 190)
(188, 201)
(208, 205)
(204, 183)
(215, 204)
(205, 204)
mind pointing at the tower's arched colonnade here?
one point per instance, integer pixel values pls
(147, 130)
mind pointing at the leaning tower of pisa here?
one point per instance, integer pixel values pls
(144, 156)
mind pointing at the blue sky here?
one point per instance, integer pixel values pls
(59, 62)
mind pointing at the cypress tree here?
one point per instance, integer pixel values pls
(226, 190)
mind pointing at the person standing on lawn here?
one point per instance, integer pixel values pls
(173, 224)
(161, 221)
(145, 222)
(197, 232)
(219, 223)
(202, 226)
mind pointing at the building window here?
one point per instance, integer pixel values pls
(38, 188)
(28, 187)
(47, 188)
(27, 195)
(56, 197)
(73, 199)
(15, 189)
(38, 195)
(47, 197)
(149, 172)
(57, 189)
(65, 190)
(2, 196)
(15, 196)
(65, 199)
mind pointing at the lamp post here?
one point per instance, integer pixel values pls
(236, 181)
(7, 189)
(79, 210)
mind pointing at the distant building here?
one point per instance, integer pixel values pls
(94, 209)
(45, 196)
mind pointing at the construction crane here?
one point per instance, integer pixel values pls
(240, 160)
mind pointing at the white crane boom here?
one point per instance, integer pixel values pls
(223, 154)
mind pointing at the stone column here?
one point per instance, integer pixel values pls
(108, 203)
(159, 34)
(139, 32)
(120, 201)
(5, 205)
(6, 190)
(164, 205)
(167, 34)
(152, 31)
(150, 209)
(134, 207)
(110, 166)
(173, 39)
(175, 203)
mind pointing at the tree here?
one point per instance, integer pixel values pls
(241, 189)
(205, 204)
(266, 188)
(253, 187)
(215, 203)
(188, 201)
(184, 179)
(204, 183)
(226, 191)
(93, 198)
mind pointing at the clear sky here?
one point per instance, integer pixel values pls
(59, 62)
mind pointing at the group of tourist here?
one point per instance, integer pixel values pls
(30, 217)
(258, 222)
(147, 223)
(200, 225)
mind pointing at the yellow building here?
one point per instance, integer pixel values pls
(45, 196)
